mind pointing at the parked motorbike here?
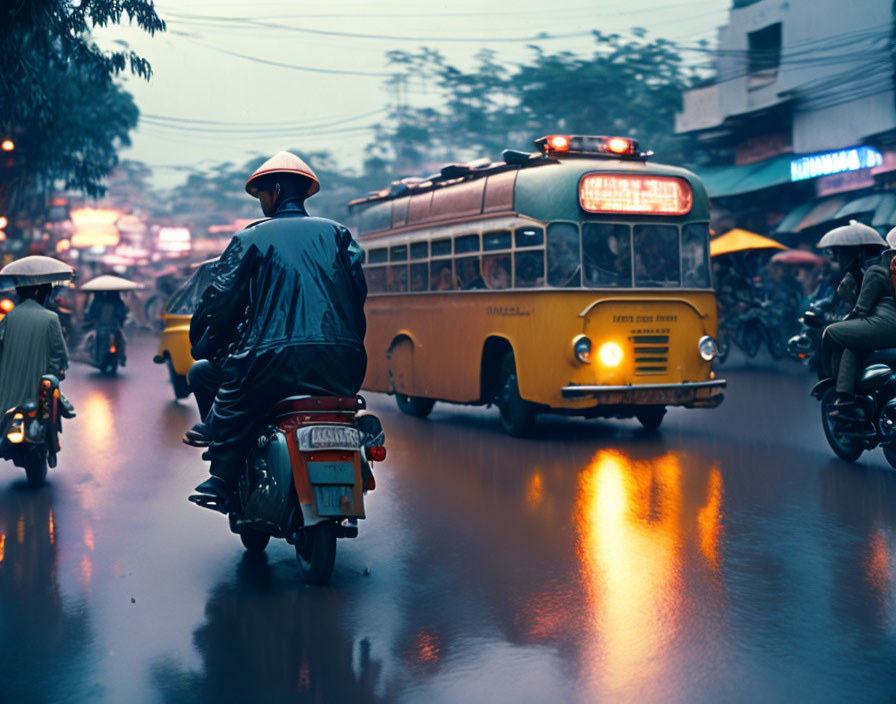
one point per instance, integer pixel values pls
(105, 347)
(305, 479)
(750, 328)
(876, 399)
(29, 434)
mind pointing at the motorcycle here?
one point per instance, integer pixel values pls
(305, 479)
(750, 328)
(105, 348)
(804, 346)
(875, 398)
(29, 434)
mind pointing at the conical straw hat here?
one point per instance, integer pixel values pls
(110, 283)
(855, 234)
(34, 271)
(283, 163)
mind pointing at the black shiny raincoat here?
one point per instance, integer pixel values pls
(289, 280)
(283, 315)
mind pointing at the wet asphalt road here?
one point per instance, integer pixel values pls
(729, 558)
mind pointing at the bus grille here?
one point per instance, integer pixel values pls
(651, 354)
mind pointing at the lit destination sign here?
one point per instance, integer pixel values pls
(635, 193)
(852, 159)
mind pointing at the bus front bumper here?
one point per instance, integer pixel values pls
(698, 394)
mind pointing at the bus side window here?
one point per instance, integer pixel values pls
(695, 256)
(441, 248)
(496, 240)
(563, 255)
(469, 275)
(656, 252)
(376, 279)
(378, 256)
(496, 270)
(467, 243)
(440, 278)
(419, 250)
(419, 277)
(607, 255)
(528, 269)
(528, 237)
(397, 278)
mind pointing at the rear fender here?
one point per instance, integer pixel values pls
(874, 377)
(821, 387)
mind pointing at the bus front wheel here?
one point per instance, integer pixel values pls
(414, 405)
(517, 414)
(651, 417)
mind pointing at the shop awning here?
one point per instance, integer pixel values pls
(738, 240)
(725, 181)
(818, 212)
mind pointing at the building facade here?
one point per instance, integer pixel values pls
(797, 125)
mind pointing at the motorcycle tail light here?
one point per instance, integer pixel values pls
(371, 483)
(112, 349)
(16, 432)
(376, 453)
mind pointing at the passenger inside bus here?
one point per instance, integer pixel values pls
(440, 275)
(656, 256)
(529, 269)
(607, 255)
(468, 275)
(563, 255)
(497, 271)
(419, 277)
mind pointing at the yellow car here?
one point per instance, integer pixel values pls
(174, 340)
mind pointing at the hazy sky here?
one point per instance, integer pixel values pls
(204, 105)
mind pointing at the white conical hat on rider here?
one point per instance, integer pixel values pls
(855, 234)
(891, 238)
(35, 271)
(284, 163)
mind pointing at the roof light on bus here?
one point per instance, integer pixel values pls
(619, 145)
(383, 193)
(558, 143)
(635, 193)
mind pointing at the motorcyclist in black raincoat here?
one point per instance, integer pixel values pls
(283, 315)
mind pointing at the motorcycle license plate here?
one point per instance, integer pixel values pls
(334, 500)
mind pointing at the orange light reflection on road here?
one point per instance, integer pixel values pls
(426, 647)
(877, 564)
(20, 530)
(86, 569)
(629, 544)
(52, 528)
(88, 537)
(709, 520)
(534, 490)
(2, 546)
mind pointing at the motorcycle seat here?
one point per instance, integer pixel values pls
(300, 404)
(882, 356)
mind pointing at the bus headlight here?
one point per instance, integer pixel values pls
(581, 349)
(708, 348)
(610, 354)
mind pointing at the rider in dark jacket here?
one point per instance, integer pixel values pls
(283, 315)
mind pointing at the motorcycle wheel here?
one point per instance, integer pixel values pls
(316, 552)
(178, 382)
(414, 405)
(651, 417)
(724, 348)
(848, 449)
(890, 454)
(36, 467)
(751, 341)
(517, 414)
(254, 540)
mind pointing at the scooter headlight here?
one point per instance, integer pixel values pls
(708, 348)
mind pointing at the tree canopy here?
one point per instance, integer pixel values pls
(59, 101)
(628, 86)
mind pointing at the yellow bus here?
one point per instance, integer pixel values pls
(572, 280)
